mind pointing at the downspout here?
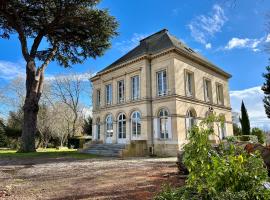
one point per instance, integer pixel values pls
(151, 108)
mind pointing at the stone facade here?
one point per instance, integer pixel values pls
(164, 117)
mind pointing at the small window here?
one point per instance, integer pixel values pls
(189, 84)
(98, 98)
(207, 90)
(220, 99)
(109, 94)
(162, 83)
(121, 91)
(135, 87)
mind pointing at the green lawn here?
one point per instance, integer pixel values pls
(46, 153)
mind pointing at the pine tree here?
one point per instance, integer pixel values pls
(266, 90)
(244, 120)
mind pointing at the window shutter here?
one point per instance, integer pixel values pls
(170, 127)
(156, 131)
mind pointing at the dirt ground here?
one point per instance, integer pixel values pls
(99, 178)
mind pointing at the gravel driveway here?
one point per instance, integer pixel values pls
(101, 178)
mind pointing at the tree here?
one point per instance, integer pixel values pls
(3, 137)
(68, 90)
(87, 126)
(259, 133)
(73, 30)
(266, 90)
(236, 130)
(244, 120)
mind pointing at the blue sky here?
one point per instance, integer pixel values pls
(232, 34)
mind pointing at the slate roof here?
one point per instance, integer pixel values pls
(156, 43)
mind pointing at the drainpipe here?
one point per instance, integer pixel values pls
(151, 108)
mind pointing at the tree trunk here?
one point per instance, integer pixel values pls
(30, 109)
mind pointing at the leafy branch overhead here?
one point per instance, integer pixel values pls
(74, 30)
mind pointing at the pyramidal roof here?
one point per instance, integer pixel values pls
(156, 43)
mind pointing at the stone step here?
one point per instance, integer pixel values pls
(113, 150)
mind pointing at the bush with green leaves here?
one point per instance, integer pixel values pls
(218, 173)
(260, 134)
(3, 137)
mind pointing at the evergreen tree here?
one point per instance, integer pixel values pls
(3, 137)
(87, 127)
(266, 90)
(244, 120)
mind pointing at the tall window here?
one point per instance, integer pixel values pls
(98, 98)
(162, 83)
(109, 94)
(136, 124)
(189, 84)
(163, 124)
(207, 90)
(190, 119)
(121, 91)
(109, 126)
(122, 126)
(222, 127)
(98, 128)
(135, 87)
(220, 99)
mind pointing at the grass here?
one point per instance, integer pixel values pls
(47, 153)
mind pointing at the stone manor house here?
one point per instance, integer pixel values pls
(150, 97)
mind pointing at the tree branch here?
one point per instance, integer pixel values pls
(36, 43)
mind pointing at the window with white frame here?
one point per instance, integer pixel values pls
(122, 126)
(207, 90)
(98, 97)
(98, 128)
(189, 84)
(109, 126)
(163, 124)
(136, 124)
(190, 119)
(220, 99)
(109, 94)
(135, 87)
(121, 91)
(162, 83)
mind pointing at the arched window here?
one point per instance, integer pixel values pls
(136, 124)
(109, 125)
(163, 124)
(122, 126)
(190, 119)
(98, 128)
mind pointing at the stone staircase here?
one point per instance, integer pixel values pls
(110, 150)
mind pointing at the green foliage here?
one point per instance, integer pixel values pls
(266, 90)
(236, 130)
(260, 134)
(3, 137)
(87, 126)
(244, 120)
(219, 173)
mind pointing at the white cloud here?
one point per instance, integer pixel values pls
(10, 70)
(267, 38)
(126, 45)
(205, 26)
(252, 98)
(241, 43)
(208, 46)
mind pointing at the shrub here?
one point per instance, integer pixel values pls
(226, 172)
(3, 137)
(260, 134)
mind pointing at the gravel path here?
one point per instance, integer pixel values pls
(102, 178)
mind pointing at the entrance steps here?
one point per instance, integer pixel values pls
(109, 150)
